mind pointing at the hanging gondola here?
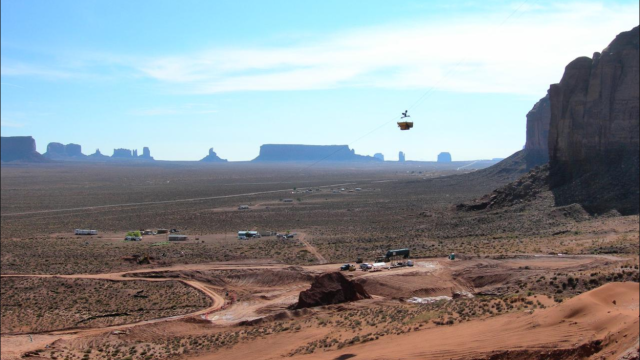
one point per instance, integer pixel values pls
(405, 125)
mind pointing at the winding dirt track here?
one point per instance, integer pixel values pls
(217, 301)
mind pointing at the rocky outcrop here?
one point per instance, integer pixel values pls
(537, 145)
(19, 148)
(444, 157)
(401, 157)
(98, 156)
(146, 154)
(594, 130)
(55, 149)
(525, 189)
(328, 153)
(122, 154)
(58, 151)
(212, 157)
(379, 156)
(331, 288)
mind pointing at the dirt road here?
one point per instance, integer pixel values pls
(312, 249)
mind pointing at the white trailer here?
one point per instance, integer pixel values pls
(380, 266)
(85, 232)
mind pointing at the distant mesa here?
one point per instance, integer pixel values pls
(401, 157)
(329, 153)
(212, 157)
(444, 157)
(58, 151)
(379, 156)
(126, 154)
(122, 154)
(19, 148)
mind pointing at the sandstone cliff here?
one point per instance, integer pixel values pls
(122, 154)
(212, 157)
(594, 129)
(19, 148)
(58, 151)
(537, 145)
(275, 153)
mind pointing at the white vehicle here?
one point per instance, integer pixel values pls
(85, 232)
(379, 266)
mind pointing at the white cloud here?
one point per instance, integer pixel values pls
(12, 68)
(524, 55)
(10, 124)
(478, 52)
(187, 109)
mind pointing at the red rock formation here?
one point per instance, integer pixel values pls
(212, 157)
(19, 148)
(285, 152)
(58, 151)
(537, 145)
(594, 129)
(332, 288)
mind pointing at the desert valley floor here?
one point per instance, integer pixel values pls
(529, 281)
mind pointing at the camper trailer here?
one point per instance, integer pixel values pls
(86, 232)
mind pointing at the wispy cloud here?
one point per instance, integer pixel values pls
(15, 68)
(10, 124)
(469, 54)
(472, 53)
(186, 109)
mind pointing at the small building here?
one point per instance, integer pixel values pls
(85, 232)
(176, 237)
(243, 207)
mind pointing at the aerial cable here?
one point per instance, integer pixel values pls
(427, 93)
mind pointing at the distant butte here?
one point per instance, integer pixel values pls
(212, 157)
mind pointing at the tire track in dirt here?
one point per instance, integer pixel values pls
(321, 259)
(162, 201)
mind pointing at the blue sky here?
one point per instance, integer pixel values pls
(181, 77)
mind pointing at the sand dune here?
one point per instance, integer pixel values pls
(602, 323)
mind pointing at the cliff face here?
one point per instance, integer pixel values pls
(537, 145)
(594, 129)
(19, 148)
(212, 157)
(309, 153)
(59, 151)
(122, 154)
(146, 154)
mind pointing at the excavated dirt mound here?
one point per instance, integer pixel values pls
(331, 288)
